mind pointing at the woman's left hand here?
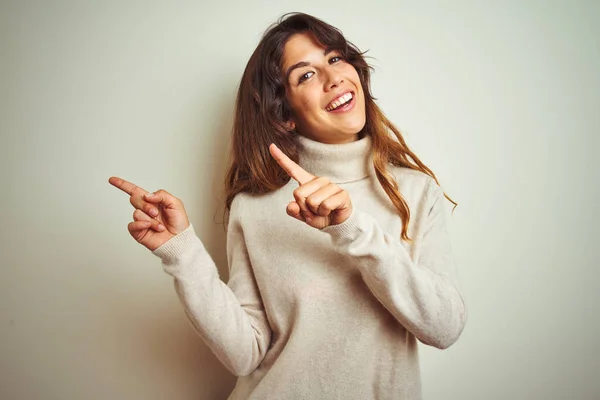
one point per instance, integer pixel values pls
(318, 202)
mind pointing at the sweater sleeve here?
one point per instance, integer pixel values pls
(422, 294)
(230, 318)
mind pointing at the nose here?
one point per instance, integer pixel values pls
(333, 80)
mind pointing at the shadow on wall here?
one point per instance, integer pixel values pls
(213, 220)
(161, 332)
(169, 356)
(193, 357)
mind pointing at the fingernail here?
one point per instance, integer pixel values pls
(161, 227)
(153, 212)
(149, 194)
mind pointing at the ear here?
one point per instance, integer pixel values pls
(290, 125)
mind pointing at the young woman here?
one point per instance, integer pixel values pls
(338, 255)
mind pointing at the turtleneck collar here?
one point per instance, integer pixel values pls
(341, 163)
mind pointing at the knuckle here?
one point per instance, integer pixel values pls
(163, 192)
(325, 206)
(311, 201)
(331, 203)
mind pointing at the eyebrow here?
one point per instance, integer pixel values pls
(301, 64)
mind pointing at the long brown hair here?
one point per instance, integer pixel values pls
(262, 110)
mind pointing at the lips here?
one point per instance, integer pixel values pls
(339, 100)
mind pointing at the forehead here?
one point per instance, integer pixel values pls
(300, 47)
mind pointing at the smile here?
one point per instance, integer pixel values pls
(342, 103)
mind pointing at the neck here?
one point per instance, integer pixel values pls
(341, 163)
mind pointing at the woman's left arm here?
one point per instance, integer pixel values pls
(422, 294)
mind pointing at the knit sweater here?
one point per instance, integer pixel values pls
(325, 314)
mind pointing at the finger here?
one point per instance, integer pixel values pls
(336, 202)
(138, 202)
(139, 215)
(135, 199)
(295, 171)
(160, 197)
(137, 228)
(315, 200)
(303, 192)
(163, 197)
(293, 210)
(125, 186)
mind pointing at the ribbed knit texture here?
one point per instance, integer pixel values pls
(325, 314)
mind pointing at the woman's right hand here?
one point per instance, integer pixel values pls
(157, 217)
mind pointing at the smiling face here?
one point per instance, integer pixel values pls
(323, 90)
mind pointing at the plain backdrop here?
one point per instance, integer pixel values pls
(500, 98)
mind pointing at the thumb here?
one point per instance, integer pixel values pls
(163, 197)
(293, 210)
(174, 217)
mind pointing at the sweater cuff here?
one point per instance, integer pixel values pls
(174, 249)
(347, 231)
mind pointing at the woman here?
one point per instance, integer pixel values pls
(328, 301)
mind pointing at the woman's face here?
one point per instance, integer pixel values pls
(323, 90)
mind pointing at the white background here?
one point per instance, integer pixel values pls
(500, 98)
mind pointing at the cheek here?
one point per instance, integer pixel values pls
(351, 72)
(305, 103)
(309, 101)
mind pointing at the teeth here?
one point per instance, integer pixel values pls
(339, 101)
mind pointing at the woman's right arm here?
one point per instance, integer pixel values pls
(229, 317)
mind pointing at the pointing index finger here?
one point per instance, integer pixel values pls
(295, 171)
(122, 184)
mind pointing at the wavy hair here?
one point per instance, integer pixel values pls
(262, 110)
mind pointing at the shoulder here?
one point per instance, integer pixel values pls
(241, 204)
(412, 181)
(236, 210)
(420, 190)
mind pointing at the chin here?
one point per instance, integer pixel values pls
(345, 137)
(355, 129)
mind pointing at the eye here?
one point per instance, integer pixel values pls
(305, 76)
(335, 59)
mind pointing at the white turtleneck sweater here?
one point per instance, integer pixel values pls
(325, 314)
